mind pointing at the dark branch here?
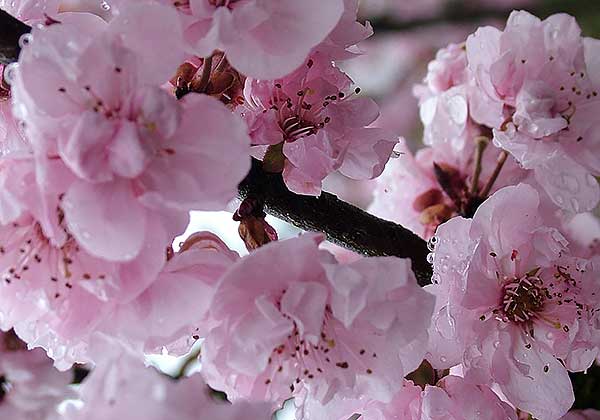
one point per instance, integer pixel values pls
(11, 30)
(343, 223)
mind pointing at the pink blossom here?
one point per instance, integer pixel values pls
(536, 79)
(306, 324)
(120, 386)
(31, 388)
(54, 293)
(314, 127)
(262, 39)
(187, 282)
(444, 101)
(411, 192)
(511, 299)
(89, 93)
(341, 42)
(405, 405)
(452, 398)
(456, 399)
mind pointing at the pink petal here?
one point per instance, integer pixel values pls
(106, 219)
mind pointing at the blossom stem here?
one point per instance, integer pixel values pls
(481, 143)
(488, 187)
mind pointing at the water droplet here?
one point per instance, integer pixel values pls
(549, 335)
(432, 242)
(10, 73)
(25, 40)
(105, 6)
(496, 344)
(443, 359)
(546, 369)
(430, 257)
(435, 278)
(559, 200)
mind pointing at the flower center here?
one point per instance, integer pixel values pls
(523, 298)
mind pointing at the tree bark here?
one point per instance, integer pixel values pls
(343, 223)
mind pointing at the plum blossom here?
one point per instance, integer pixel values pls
(57, 296)
(311, 126)
(265, 39)
(444, 100)
(452, 398)
(54, 293)
(120, 386)
(305, 324)
(457, 171)
(31, 389)
(423, 190)
(512, 300)
(341, 42)
(89, 93)
(538, 90)
(187, 282)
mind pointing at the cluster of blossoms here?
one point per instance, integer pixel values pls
(501, 190)
(112, 131)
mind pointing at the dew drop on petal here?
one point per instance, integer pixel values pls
(25, 40)
(430, 257)
(432, 242)
(10, 73)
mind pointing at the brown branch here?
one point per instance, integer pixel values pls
(11, 30)
(343, 223)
